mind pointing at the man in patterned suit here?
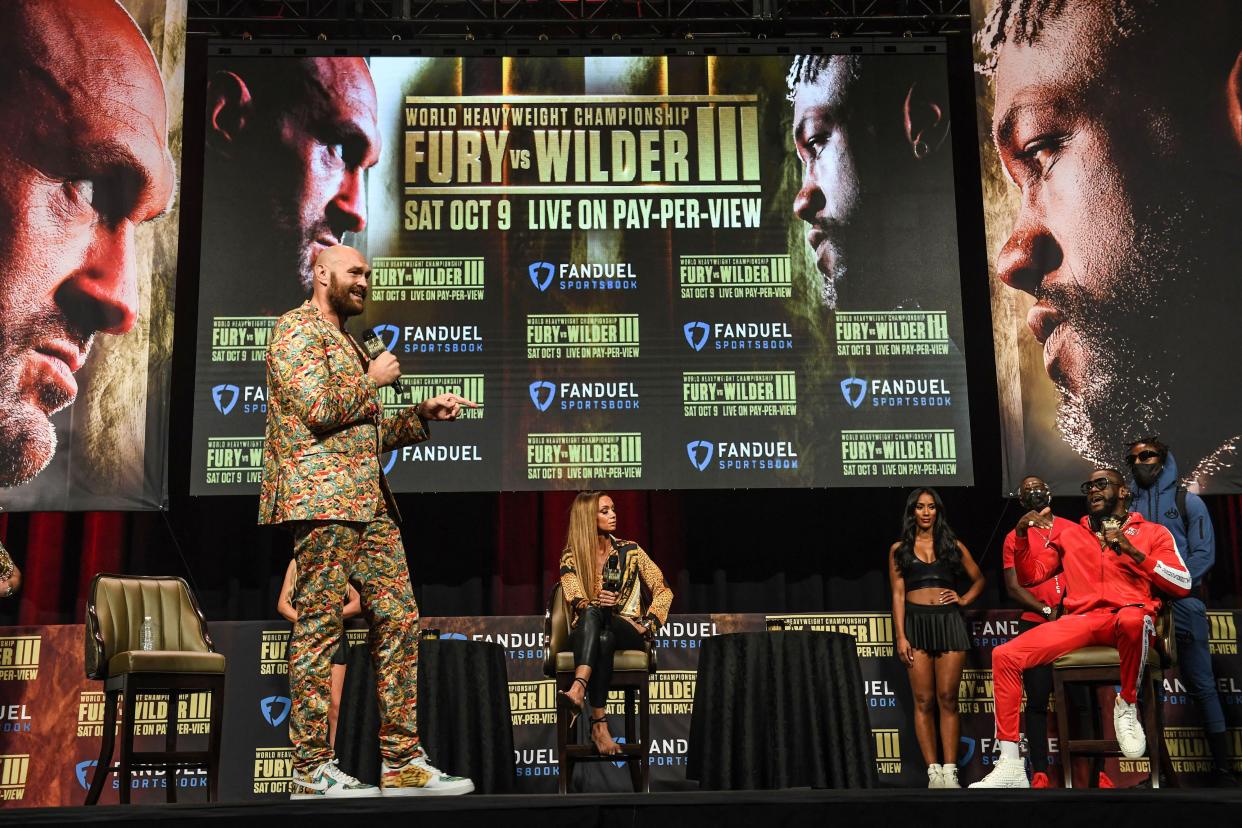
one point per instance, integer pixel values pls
(322, 479)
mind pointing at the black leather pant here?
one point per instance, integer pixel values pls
(598, 635)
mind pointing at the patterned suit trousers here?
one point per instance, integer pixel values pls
(329, 553)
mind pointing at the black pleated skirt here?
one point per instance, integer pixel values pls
(936, 628)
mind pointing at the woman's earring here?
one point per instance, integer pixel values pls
(921, 148)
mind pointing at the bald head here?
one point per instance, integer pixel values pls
(341, 279)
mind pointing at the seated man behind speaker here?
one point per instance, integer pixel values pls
(1114, 563)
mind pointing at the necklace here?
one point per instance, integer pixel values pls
(1047, 537)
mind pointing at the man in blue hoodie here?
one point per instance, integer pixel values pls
(1160, 497)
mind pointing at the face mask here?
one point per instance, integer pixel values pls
(1034, 499)
(1145, 474)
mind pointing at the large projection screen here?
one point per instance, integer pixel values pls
(649, 271)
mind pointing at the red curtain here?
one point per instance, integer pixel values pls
(61, 553)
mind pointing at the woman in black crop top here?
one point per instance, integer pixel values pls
(925, 569)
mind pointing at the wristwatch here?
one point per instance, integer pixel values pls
(1047, 611)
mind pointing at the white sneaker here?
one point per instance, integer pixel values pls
(948, 777)
(934, 779)
(1006, 773)
(1130, 735)
(328, 782)
(418, 777)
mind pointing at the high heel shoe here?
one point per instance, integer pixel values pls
(565, 701)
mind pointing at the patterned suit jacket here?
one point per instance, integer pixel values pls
(325, 429)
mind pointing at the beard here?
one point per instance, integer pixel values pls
(1132, 336)
(343, 302)
(27, 437)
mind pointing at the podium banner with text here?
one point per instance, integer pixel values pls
(649, 272)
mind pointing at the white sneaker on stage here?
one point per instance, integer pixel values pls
(1006, 773)
(328, 781)
(418, 777)
(1129, 732)
(948, 777)
(933, 776)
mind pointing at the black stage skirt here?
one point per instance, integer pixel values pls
(938, 628)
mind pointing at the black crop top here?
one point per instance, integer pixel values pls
(920, 575)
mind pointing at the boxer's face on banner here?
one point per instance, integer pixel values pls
(83, 160)
(1109, 228)
(830, 196)
(302, 158)
(867, 137)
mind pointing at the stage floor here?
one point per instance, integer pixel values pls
(882, 807)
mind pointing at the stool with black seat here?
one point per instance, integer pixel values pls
(183, 661)
(631, 671)
(1100, 666)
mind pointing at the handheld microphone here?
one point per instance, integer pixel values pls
(374, 346)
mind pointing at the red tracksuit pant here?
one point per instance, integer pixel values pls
(1129, 629)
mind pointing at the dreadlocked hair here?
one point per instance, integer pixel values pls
(807, 68)
(1023, 21)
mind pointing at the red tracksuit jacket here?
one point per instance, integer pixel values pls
(1098, 578)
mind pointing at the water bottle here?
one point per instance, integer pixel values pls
(146, 634)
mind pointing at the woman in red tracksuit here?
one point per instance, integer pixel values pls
(1113, 562)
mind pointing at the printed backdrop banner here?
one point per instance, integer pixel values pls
(88, 234)
(1109, 155)
(656, 272)
(51, 717)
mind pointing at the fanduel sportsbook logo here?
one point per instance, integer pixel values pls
(738, 336)
(275, 709)
(700, 453)
(225, 397)
(542, 393)
(541, 274)
(854, 390)
(730, 455)
(388, 334)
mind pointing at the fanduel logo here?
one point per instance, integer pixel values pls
(541, 274)
(967, 752)
(854, 390)
(700, 452)
(696, 334)
(583, 275)
(542, 393)
(275, 709)
(585, 396)
(431, 339)
(743, 456)
(225, 397)
(738, 336)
